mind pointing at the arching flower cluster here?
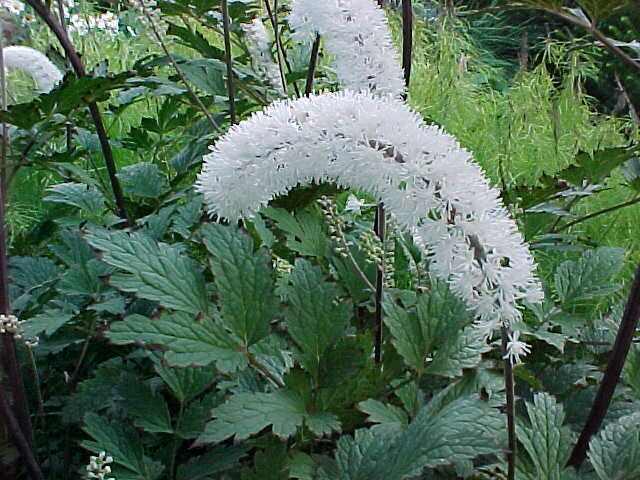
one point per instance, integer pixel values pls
(34, 63)
(357, 34)
(259, 46)
(425, 179)
(367, 138)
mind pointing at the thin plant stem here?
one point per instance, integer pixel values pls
(313, 63)
(253, 361)
(72, 55)
(379, 228)
(283, 62)
(509, 384)
(176, 442)
(22, 445)
(604, 211)
(178, 70)
(38, 388)
(407, 40)
(611, 377)
(228, 56)
(9, 355)
(597, 34)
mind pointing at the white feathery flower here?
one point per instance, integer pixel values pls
(35, 64)
(259, 46)
(516, 348)
(357, 35)
(426, 180)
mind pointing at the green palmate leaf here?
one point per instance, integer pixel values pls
(461, 430)
(218, 460)
(187, 341)
(187, 216)
(315, 320)
(545, 440)
(595, 167)
(246, 414)
(197, 414)
(244, 281)
(206, 74)
(119, 441)
(387, 417)
(462, 350)
(143, 180)
(148, 410)
(47, 322)
(85, 279)
(304, 231)
(581, 281)
(436, 323)
(185, 383)
(85, 197)
(615, 452)
(154, 271)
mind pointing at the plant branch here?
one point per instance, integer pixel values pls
(584, 218)
(18, 437)
(511, 409)
(94, 110)
(313, 63)
(597, 34)
(611, 377)
(283, 62)
(253, 361)
(228, 56)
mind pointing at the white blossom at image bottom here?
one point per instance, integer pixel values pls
(426, 180)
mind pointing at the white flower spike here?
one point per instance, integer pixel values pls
(35, 64)
(425, 179)
(259, 47)
(357, 35)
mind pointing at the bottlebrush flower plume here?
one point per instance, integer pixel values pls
(35, 64)
(259, 47)
(357, 35)
(426, 180)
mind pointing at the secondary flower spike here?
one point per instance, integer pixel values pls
(357, 35)
(426, 180)
(35, 64)
(259, 47)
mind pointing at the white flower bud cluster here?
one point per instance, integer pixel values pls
(99, 468)
(372, 248)
(259, 46)
(282, 266)
(337, 225)
(83, 24)
(10, 325)
(35, 64)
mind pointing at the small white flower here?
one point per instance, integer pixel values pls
(45, 74)
(354, 205)
(516, 348)
(16, 7)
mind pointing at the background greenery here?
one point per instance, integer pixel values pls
(188, 350)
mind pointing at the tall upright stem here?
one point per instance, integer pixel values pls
(509, 385)
(611, 377)
(380, 232)
(407, 40)
(229, 60)
(283, 62)
(313, 63)
(9, 354)
(73, 57)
